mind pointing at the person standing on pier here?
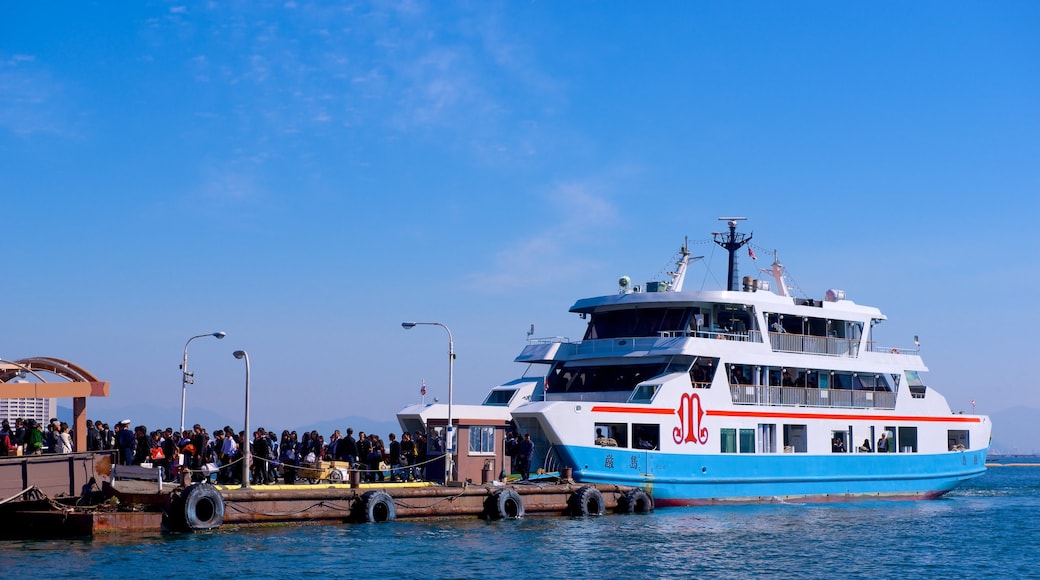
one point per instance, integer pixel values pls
(347, 449)
(125, 442)
(525, 452)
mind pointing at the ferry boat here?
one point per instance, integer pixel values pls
(747, 394)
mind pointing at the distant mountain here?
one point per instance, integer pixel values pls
(380, 428)
(1014, 432)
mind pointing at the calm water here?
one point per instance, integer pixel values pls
(990, 528)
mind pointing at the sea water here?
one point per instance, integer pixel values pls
(989, 527)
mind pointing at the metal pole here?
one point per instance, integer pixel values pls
(186, 376)
(246, 452)
(450, 435)
(449, 464)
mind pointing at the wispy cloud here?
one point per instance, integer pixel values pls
(27, 96)
(432, 71)
(555, 253)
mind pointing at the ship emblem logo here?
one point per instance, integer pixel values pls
(690, 413)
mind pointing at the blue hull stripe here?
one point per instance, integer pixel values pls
(681, 478)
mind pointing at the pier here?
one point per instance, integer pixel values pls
(141, 503)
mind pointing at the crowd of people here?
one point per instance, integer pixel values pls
(217, 455)
(30, 437)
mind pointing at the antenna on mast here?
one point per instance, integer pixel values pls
(732, 242)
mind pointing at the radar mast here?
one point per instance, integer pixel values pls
(732, 242)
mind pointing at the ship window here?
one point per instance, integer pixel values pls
(644, 393)
(740, 374)
(839, 442)
(635, 322)
(917, 388)
(646, 436)
(500, 398)
(747, 440)
(890, 432)
(616, 431)
(728, 439)
(703, 372)
(958, 439)
(481, 439)
(795, 439)
(908, 439)
(585, 379)
(767, 437)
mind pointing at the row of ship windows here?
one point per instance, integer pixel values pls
(795, 439)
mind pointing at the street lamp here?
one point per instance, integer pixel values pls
(246, 453)
(187, 378)
(450, 445)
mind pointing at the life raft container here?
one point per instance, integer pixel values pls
(199, 507)
(588, 501)
(504, 504)
(377, 506)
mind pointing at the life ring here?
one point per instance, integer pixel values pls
(636, 501)
(587, 501)
(200, 507)
(377, 506)
(504, 504)
(895, 351)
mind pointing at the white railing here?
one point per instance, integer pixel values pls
(804, 343)
(740, 336)
(805, 397)
(874, 347)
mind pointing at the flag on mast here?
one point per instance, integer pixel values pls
(422, 391)
(751, 253)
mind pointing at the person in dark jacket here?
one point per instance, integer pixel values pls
(125, 442)
(525, 452)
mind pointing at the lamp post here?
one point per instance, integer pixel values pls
(246, 452)
(187, 378)
(450, 444)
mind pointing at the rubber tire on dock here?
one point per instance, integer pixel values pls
(199, 507)
(377, 506)
(588, 501)
(636, 501)
(504, 504)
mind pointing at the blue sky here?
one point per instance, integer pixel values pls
(306, 176)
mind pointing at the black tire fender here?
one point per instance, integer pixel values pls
(588, 501)
(202, 507)
(636, 501)
(504, 504)
(377, 506)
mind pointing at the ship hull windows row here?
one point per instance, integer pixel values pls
(645, 436)
(795, 438)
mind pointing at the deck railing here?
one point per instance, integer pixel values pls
(806, 397)
(804, 343)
